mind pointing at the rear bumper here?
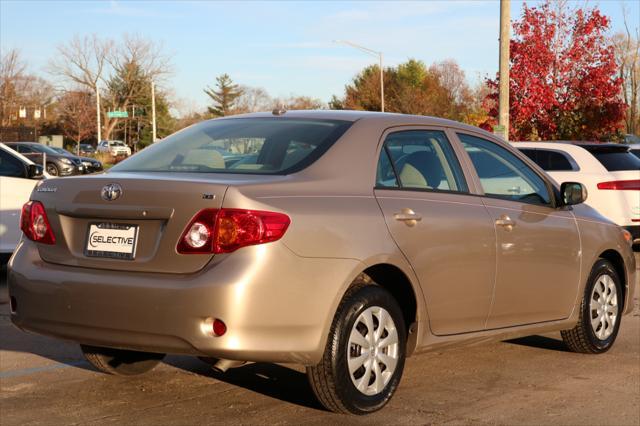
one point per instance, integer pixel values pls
(277, 306)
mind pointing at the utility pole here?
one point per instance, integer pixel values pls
(98, 113)
(503, 103)
(153, 111)
(374, 53)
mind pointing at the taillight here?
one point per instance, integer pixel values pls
(35, 224)
(226, 230)
(621, 185)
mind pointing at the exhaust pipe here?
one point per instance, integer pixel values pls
(222, 365)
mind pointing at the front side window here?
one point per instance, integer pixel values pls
(419, 159)
(502, 174)
(243, 145)
(10, 166)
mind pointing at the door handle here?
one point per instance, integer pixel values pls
(506, 222)
(408, 216)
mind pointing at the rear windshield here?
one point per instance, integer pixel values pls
(618, 161)
(243, 145)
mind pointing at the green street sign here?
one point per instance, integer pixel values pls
(498, 128)
(117, 114)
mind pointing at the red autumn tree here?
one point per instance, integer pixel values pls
(563, 77)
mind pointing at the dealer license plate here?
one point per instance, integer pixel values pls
(114, 240)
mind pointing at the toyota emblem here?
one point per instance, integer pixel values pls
(111, 192)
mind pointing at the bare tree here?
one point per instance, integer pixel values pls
(77, 112)
(627, 49)
(252, 99)
(19, 89)
(12, 71)
(90, 60)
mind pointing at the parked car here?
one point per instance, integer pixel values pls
(114, 147)
(635, 149)
(352, 241)
(57, 164)
(18, 176)
(90, 165)
(87, 149)
(610, 173)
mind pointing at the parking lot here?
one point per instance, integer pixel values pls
(532, 380)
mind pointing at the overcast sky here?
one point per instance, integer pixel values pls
(284, 47)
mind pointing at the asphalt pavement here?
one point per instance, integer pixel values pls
(527, 381)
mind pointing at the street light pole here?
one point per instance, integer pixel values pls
(374, 53)
(98, 113)
(153, 111)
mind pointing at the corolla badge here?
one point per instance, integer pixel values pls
(111, 192)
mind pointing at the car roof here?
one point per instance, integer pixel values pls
(353, 116)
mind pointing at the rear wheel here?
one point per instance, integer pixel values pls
(363, 361)
(600, 314)
(120, 362)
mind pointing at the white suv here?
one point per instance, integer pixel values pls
(609, 171)
(114, 147)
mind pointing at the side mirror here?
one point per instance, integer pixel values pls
(573, 193)
(34, 171)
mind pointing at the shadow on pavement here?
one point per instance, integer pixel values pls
(540, 342)
(272, 380)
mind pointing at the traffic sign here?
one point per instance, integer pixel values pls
(117, 114)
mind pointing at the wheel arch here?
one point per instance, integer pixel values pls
(398, 284)
(617, 261)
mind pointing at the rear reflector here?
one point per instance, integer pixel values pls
(621, 185)
(35, 224)
(226, 230)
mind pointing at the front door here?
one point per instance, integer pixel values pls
(538, 246)
(445, 232)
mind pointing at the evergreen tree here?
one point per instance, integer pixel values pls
(224, 96)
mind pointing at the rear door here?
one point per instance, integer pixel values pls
(538, 246)
(443, 230)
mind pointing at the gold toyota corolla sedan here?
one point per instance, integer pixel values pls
(343, 241)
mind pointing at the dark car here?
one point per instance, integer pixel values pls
(91, 165)
(87, 149)
(57, 164)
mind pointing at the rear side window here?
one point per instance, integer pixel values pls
(635, 152)
(504, 175)
(273, 146)
(618, 161)
(419, 159)
(549, 160)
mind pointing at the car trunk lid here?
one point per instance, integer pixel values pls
(153, 208)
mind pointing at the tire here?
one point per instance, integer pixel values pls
(332, 381)
(120, 362)
(52, 169)
(598, 324)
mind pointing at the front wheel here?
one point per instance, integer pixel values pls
(364, 357)
(52, 169)
(120, 362)
(600, 313)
